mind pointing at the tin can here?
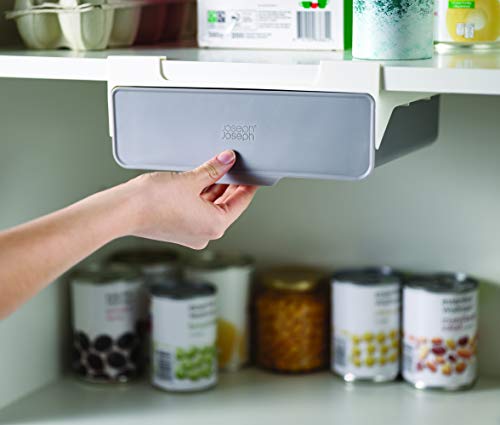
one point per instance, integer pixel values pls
(366, 324)
(156, 266)
(183, 333)
(107, 344)
(232, 276)
(150, 262)
(440, 317)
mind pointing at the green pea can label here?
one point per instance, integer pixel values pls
(366, 325)
(183, 343)
(440, 335)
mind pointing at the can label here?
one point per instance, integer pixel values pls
(467, 21)
(366, 330)
(107, 344)
(440, 338)
(233, 287)
(184, 352)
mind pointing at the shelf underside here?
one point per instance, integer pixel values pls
(457, 72)
(255, 397)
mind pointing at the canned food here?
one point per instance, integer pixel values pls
(291, 311)
(366, 324)
(107, 344)
(183, 333)
(156, 266)
(440, 331)
(232, 276)
(150, 262)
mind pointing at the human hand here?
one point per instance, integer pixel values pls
(188, 208)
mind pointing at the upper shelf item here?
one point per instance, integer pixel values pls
(467, 23)
(281, 24)
(97, 25)
(392, 29)
(283, 123)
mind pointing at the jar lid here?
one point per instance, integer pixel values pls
(99, 273)
(181, 289)
(294, 279)
(214, 260)
(452, 283)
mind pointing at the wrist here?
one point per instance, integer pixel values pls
(124, 201)
(112, 213)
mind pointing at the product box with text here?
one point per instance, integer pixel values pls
(275, 24)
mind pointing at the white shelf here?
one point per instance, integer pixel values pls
(460, 72)
(253, 397)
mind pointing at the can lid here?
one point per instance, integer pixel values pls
(443, 282)
(367, 276)
(293, 279)
(181, 289)
(148, 261)
(214, 260)
(98, 273)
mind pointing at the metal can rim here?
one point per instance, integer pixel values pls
(182, 289)
(367, 276)
(144, 257)
(443, 283)
(215, 260)
(102, 274)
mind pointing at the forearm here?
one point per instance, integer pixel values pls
(36, 253)
(187, 209)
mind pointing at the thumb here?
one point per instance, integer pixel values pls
(213, 170)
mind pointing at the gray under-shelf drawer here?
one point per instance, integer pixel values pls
(276, 134)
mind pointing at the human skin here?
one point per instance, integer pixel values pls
(187, 208)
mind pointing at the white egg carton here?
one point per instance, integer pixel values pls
(89, 24)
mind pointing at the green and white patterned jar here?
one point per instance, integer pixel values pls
(393, 29)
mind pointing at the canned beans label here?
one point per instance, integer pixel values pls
(184, 334)
(106, 320)
(440, 338)
(366, 330)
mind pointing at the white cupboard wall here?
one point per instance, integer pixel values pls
(438, 209)
(435, 210)
(54, 150)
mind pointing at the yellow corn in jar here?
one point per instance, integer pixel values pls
(291, 318)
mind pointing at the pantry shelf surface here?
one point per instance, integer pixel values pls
(450, 72)
(255, 397)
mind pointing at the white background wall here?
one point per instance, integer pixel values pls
(437, 209)
(54, 149)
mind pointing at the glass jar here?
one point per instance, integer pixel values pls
(466, 24)
(291, 310)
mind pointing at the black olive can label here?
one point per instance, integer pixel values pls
(107, 331)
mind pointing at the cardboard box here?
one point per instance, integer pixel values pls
(275, 24)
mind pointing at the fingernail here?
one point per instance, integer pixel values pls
(226, 157)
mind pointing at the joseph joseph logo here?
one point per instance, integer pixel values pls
(239, 133)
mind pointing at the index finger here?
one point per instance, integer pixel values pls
(238, 201)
